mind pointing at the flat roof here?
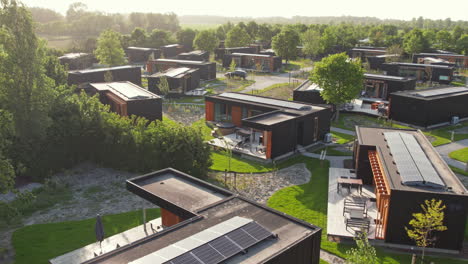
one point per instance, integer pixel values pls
(73, 55)
(105, 69)
(251, 54)
(271, 118)
(267, 101)
(288, 229)
(434, 93)
(308, 86)
(194, 52)
(443, 54)
(171, 45)
(386, 77)
(142, 48)
(419, 65)
(184, 61)
(372, 136)
(369, 50)
(125, 90)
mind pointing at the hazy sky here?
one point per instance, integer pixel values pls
(399, 9)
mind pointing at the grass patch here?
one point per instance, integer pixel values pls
(238, 85)
(238, 164)
(39, 243)
(459, 171)
(341, 138)
(309, 203)
(206, 130)
(444, 134)
(460, 155)
(279, 90)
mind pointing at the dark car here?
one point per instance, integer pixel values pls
(236, 73)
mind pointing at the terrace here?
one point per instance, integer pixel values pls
(349, 209)
(370, 106)
(243, 142)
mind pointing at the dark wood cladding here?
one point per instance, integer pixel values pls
(207, 70)
(422, 72)
(312, 97)
(424, 113)
(194, 56)
(187, 82)
(141, 55)
(151, 109)
(78, 61)
(171, 51)
(220, 52)
(268, 63)
(131, 74)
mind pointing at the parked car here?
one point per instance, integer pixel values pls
(236, 73)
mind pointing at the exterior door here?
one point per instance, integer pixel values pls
(316, 128)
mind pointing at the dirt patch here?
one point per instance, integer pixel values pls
(260, 186)
(186, 114)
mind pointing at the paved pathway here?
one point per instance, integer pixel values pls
(344, 131)
(444, 151)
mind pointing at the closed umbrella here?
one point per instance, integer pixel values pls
(99, 230)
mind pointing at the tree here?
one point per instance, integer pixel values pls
(426, 224)
(285, 43)
(159, 38)
(7, 172)
(108, 77)
(139, 37)
(163, 85)
(462, 44)
(76, 10)
(340, 78)
(443, 40)
(206, 40)
(237, 37)
(394, 50)
(415, 42)
(311, 42)
(186, 37)
(232, 66)
(109, 50)
(364, 253)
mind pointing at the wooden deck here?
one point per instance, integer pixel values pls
(336, 226)
(230, 141)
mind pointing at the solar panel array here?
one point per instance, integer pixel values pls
(268, 101)
(177, 71)
(412, 163)
(442, 91)
(130, 90)
(213, 245)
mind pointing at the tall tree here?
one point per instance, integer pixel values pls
(311, 42)
(462, 45)
(160, 38)
(163, 85)
(425, 225)
(415, 42)
(285, 43)
(206, 40)
(139, 37)
(7, 172)
(443, 40)
(237, 37)
(394, 50)
(109, 50)
(339, 77)
(186, 37)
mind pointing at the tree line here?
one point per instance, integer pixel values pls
(45, 126)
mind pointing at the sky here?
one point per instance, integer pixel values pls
(397, 9)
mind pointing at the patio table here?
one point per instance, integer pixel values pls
(349, 182)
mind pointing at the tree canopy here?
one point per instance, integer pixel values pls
(237, 37)
(185, 37)
(206, 40)
(285, 43)
(109, 50)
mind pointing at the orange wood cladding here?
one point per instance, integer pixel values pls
(168, 218)
(236, 114)
(118, 105)
(149, 67)
(267, 139)
(382, 193)
(209, 111)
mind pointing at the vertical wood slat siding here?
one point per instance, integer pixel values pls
(122, 105)
(236, 114)
(209, 111)
(168, 218)
(267, 139)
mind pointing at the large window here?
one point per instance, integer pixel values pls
(222, 112)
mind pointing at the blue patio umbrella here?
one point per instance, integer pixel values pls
(99, 230)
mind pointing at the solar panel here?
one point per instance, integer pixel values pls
(442, 91)
(207, 254)
(268, 101)
(177, 71)
(186, 259)
(411, 161)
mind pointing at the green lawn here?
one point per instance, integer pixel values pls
(206, 130)
(459, 171)
(342, 138)
(39, 243)
(446, 132)
(461, 155)
(309, 203)
(333, 152)
(238, 164)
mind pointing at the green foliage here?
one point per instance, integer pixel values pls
(425, 225)
(232, 66)
(339, 77)
(206, 40)
(415, 42)
(285, 43)
(223, 161)
(139, 37)
(237, 37)
(160, 38)
(7, 173)
(311, 42)
(364, 253)
(39, 243)
(186, 37)
(109, 50)
(461, 155)
(163, 85)
(462, 44)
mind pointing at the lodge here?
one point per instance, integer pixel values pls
(398, 169)
(364, 52)
(77, 61)
(180, 80)
(119, 74)
(461, 61)
(207, 69)
(266, 63)
(220, 52)
(172, 50)
(196, 55)
(421, 72)
(203, 223)
(382, 86)
(126, 99)
(429, 107)
(138, 55)
(262, 127)
(308, 92)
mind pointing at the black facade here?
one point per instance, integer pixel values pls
(207, 70)
(196, 55)
(186, 80)
(122, 73)
(267, 63)
(382, 86)
(220, 52)
(408, 107)
(312, 96)
(142, 55)
(171, 51)
(421, 72)
(77, 61)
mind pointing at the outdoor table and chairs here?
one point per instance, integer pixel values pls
(242, 133)
(355, 210)
(349, 183)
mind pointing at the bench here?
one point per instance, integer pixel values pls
(358, 223)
